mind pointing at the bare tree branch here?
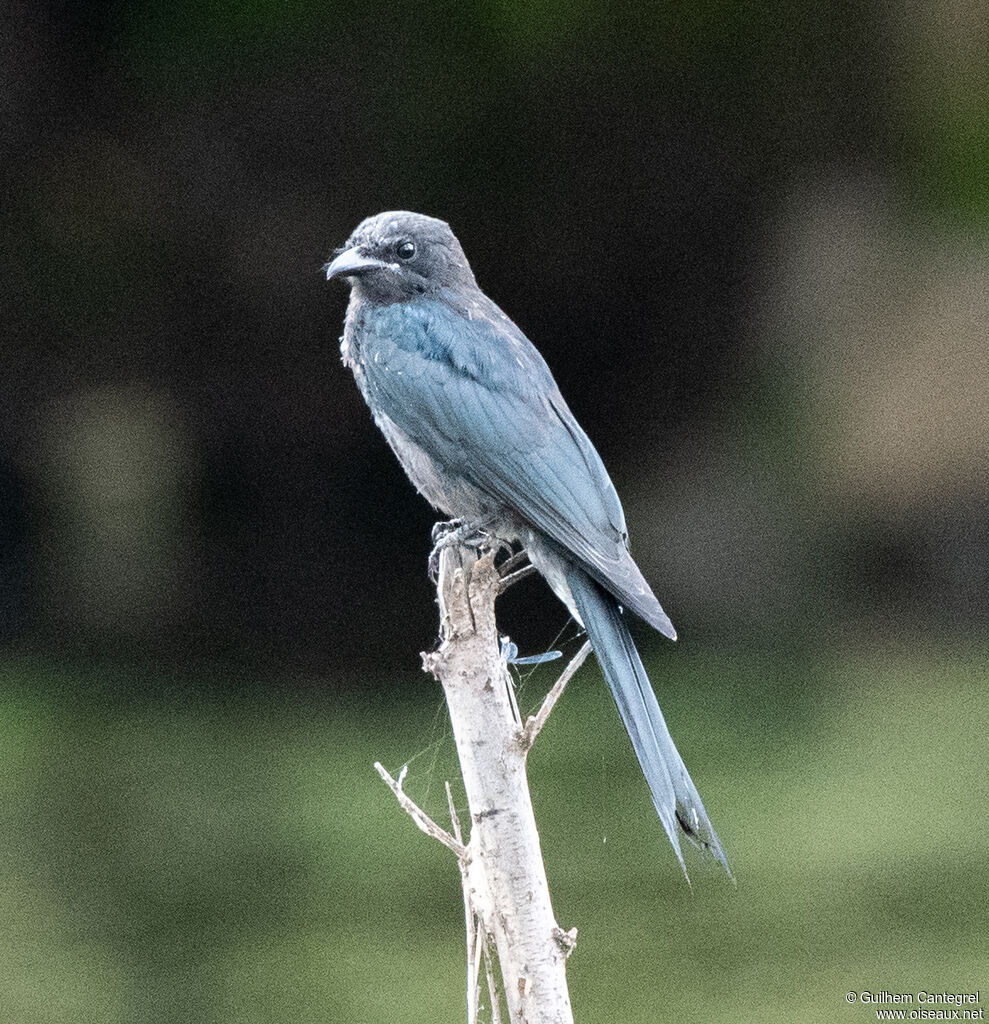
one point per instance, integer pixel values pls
(419, 816)
(507, 911)
(534, 723)
(505, 873)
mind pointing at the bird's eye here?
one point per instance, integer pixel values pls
(406, 250)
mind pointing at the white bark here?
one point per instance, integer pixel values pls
(504, 880)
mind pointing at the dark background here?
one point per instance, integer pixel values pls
(751, 243)
(187, 470)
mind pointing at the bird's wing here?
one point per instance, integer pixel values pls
(472, 391)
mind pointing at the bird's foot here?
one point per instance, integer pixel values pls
(515, 568)
(443, 529)
(459, 531)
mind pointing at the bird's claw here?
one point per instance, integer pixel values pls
(443, 529)
(458, 531)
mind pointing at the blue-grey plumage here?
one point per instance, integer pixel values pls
(673, 791)
(474, 416)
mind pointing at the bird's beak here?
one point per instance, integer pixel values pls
(350, 263)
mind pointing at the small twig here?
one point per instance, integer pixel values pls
(512, 563)
(474, 971)
(420, 817)
(492, 984)
(470, 919)
(514, 577)
(534, 723)
(454, 817)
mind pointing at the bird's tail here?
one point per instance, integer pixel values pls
(673, 793)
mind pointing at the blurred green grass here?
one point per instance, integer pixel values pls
(170, 857)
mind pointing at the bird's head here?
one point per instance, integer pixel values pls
(396, 256)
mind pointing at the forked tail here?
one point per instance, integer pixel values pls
(673, 792)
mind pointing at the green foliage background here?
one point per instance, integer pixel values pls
(234, 859)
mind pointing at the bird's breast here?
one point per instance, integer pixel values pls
(450, 493)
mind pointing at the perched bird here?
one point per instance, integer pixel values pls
(473, 413)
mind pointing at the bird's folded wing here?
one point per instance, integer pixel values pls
(479, 399)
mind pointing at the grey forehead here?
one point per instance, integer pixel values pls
(401, 222)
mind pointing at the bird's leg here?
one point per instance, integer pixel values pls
(442, 534)
(477, 536)
(443, 529)
(514, 561)
(515, 568)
